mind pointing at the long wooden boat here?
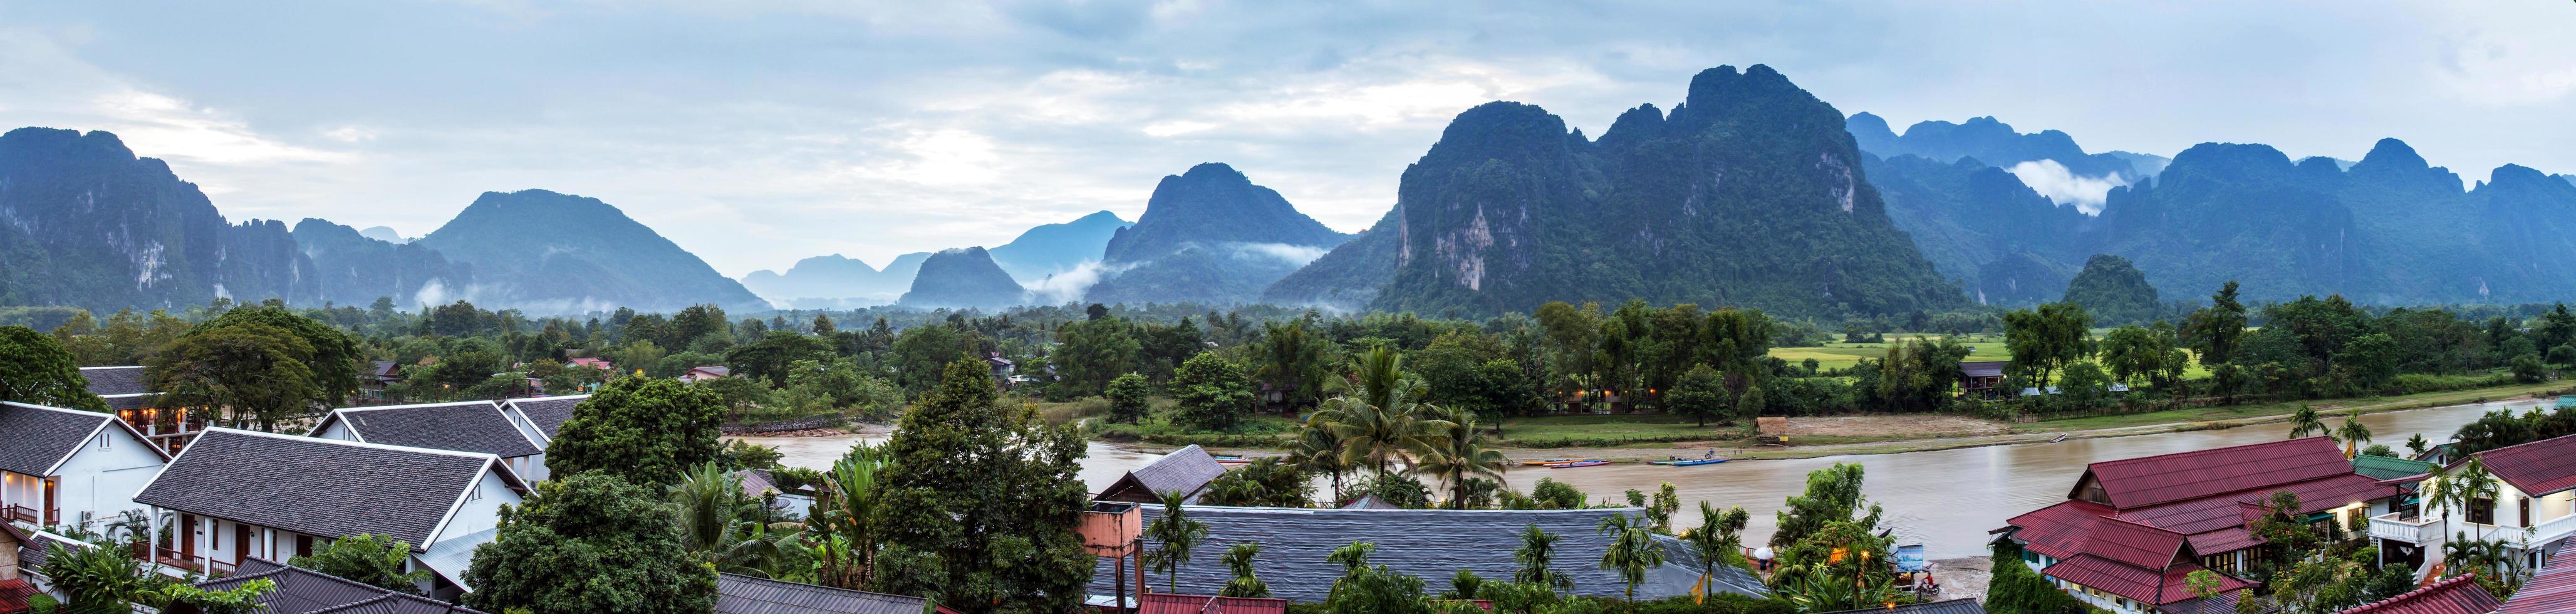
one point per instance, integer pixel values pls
(1581, 463)
(1232, 460)
(1696, 462)
(1551, 461)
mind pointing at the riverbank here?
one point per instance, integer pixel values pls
(1658, 436)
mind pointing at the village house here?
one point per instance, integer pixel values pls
(305, 591)
(1187, 471)
(2131, 530)
(70, 467)
(2534, 505)
(238, 495)
(595, 363)
(1982, 378)
(126, 394)
(700, 374)
(469, 426)
(542, 417)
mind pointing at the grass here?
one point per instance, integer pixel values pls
(2257, 411)
(1840, 355)
(1257, 431)
(1610, 430)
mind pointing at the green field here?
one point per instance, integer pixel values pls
(1986, 347)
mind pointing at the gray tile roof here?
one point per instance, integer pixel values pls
(1431, 544)
(33, 438)
(1963, 605)
(105, 381)
(317, 486)
(549, 413)
(128, 401)
(738, 594)
(304, 591)
(472, 426)
(31, 554)
(1185, 470)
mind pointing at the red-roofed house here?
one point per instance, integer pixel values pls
(1173, 603)
(2456, 595)
(2132, 529)
(2535, 504)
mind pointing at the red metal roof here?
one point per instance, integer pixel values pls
(2456, 595)
(2155, 587)
(2059, 530)
(2536, 468)
(2135, 544)
(14, 594)
(2151, 480)
(2550, 591)
(1174, 603)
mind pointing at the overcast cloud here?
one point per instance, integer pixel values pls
(758, 133)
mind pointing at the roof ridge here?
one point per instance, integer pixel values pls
(2123, 461)
(2483, 453)
(113, 367)
(67, 410)
(2442, 584)
(355, 444)
(490, 402)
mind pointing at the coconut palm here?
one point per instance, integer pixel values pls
(2353, 433)
(1717, 540)
(1178, 535)
(1239, 559)
(1379, 414)
(1537, 551)
(1458, 455)
(2460, 487)
(2416, 444)
(2304, 423)
(1633, 550)
(1318, 449)
(722, 527)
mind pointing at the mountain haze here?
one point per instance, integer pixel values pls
(1209, 235)
(960, 279)
(1050, 249)
(558, 253)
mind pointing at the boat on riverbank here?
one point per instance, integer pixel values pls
(1580, 463)
(1692, 462)
(1227, 459)
(1548, 462)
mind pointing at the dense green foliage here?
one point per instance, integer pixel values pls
(2114, 292)
(36, 369)
(1213, 393)
(977, 504)
(373, 559)
(590, 542)
(645, 430)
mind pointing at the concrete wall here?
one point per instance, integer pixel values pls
(482, 513)
(101, 481)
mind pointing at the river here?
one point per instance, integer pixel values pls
(1944, 499)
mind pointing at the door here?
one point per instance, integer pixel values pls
(241, 542)
(187, 534)
(52, 516)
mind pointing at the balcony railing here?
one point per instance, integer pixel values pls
(2406, 528)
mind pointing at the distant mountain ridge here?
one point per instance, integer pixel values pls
(560, 253)
(963, 278)
(1209, 235)
(1049, 249)
(1988, 140)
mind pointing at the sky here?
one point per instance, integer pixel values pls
(758, 133)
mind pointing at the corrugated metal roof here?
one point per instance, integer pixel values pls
(2455, 595)
(2174, 477)
(2134, 544)
(2536, 468)
(1431, 544)
(2550, 591)
(2386, 468)
(1962, 605)
(1174, 603)
(2059, 530)
(14, 593)
(2151, 586)
(305, 591)
(739, 594)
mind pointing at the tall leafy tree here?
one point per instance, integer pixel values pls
(1127, 396)
(591, 542)
(978, 502)
(1718, 540)
(770, 357)
(1833, 495)
(1633, 550)
(2214, 330)
(1537, 558)
(335, 359)
(253, 371)
(2048, 338)
(1175, 535)
(1239, 560)
(1213, 393)
(2306, 423)
(1090, 353)
(2353, 433)
(1457, 456)
(648, 430)
(34, 368)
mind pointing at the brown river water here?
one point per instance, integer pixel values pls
(1944, 499)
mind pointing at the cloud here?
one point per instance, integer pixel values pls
(1068, 286)
(2052, 180)
(1297, 255)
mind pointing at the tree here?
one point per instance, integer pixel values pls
(2045, 339)
(1379, 413)
(1213, 393)
(2416, 445)
(1633, 550)
(843, 521)
(647, 430)
(96, 578)
(1091, 352)
(1127, 396)
(1239, 559)
(977, 505)
(1318, 449)
(1264, 482)
(1700, 393)
(335, 358)
(1536, 556)
(2353, 433)
(1291, 362)
(244, 599)
(254, 371)
(2214, 330)
(728, 530)
(591, 542)
(1833, 495)
(2305, 423)
(1717, 541)
(1176, 534)
(2372, 358)
(34, 368)
(1458, 455)
(771, 356)
(376, 560)
(2016, 589)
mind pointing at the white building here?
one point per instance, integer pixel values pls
(63, 467)
(2534, 505)
(236, 495)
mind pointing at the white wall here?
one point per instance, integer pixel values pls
(483, 512)
(103, 481)
(339, 429)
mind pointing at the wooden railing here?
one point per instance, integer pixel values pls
(21, 513)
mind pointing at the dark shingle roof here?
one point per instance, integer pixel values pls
(31, 553)
(316, 486)
(2457, 595)
(33, 438)
(1962, 605)
(1425, 543)
(1185, 471)
(548, 412)
(2536, 468)
(474, 426)
(105, 381)
(738, 594)
(304, 591)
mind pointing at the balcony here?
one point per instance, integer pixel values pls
(2406, 528)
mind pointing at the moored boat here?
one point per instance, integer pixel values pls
(1580, 463)
(1696, 461)
(1551, 461)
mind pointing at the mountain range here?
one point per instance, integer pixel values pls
(1209, 235)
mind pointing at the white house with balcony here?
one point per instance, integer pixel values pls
(67, 467)
(2534, 504)
(235, 495)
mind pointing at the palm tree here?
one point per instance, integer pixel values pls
(1633, 550)
(2353, 433)
(844, 506)
(1717, 541)
(1538, 549)
(2460, 488)
(2416, 444)
(1318, 449)
(1458, 455)
(1239, 559)
(1178, 534)
(2304, 422)
(722, 527)
(1379, 414)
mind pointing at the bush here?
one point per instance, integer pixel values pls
(1126, 397)
(2527, 369)
(1550, 494)
(1398, 489)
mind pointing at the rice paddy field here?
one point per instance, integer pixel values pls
(1985, 347)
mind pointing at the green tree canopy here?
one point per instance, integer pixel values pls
(648, 430)
(376, 560)
(36, 369)
(1214, 395)
(588, 543)
(978, 504)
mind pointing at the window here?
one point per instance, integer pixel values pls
(103, 440)
(2482, 511)
(2525, 510)
(474, 494)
